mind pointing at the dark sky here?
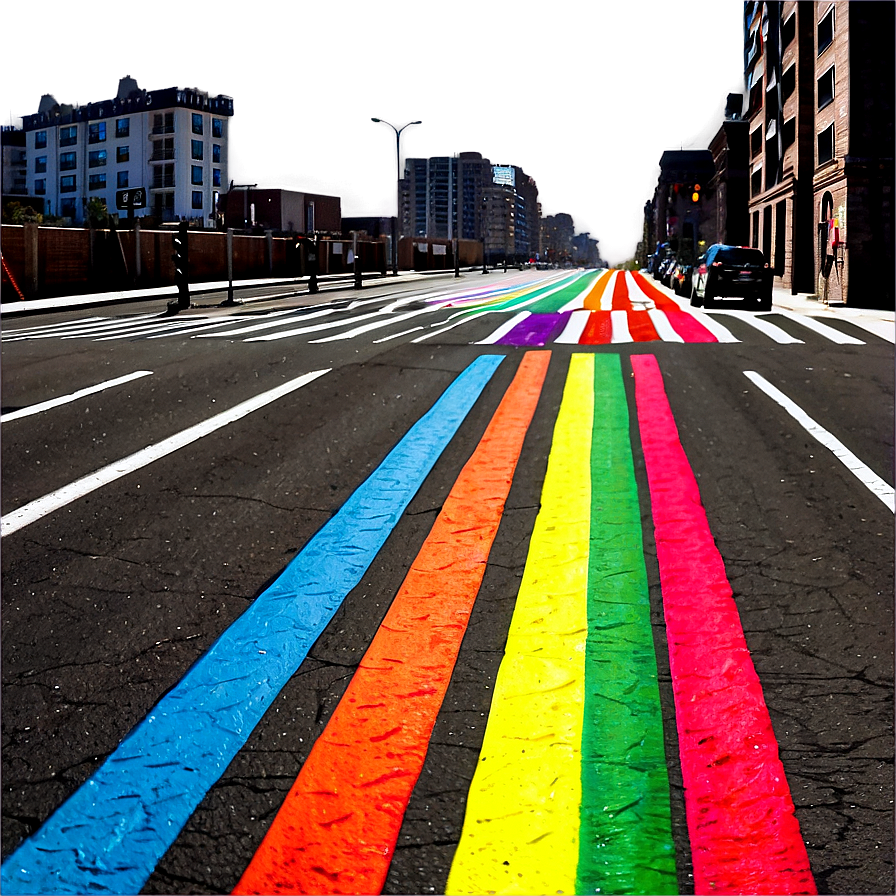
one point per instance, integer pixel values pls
(584, 96)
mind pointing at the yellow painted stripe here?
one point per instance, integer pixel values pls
(521, 830)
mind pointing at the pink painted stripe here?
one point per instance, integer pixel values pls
(688, 327)
(744, 834)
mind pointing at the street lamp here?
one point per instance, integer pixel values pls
(397, 185)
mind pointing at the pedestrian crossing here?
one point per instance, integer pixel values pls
(571, 790)
(582, 308)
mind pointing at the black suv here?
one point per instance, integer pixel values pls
(728, 271)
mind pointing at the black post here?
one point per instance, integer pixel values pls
(181, 269)
(312, 266)
(356, 261)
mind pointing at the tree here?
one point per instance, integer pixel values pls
(16, 213)
(97, 213)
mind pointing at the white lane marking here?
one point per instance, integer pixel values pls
(619, 325)
(883, 329)
(40, 507)
(574, 328)
(764, 326)
(661, 324)
(86, 329)
(37, 329)
(637, 295)
(606, 298)
(504, 329)
(860, 470)
(396, 335)
(376, 325)
(818, 327)
(73, 396)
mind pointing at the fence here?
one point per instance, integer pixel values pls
(54, 261)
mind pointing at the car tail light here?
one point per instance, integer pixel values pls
(717, 264)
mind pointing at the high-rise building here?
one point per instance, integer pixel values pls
(467, 197)
(820, 88)
(171, 142)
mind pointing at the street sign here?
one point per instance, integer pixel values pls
(130, 199)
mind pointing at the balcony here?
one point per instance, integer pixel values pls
(162, 155)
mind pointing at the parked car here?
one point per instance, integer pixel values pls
(732, 271)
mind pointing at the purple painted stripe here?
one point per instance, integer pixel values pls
(536, 329)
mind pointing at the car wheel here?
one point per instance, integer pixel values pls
(765, 303)
(696, 301)
(708, 297)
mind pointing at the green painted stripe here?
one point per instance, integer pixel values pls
(625, 843)
(526, 295)
(553, 303)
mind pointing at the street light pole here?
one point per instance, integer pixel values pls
(397, 186)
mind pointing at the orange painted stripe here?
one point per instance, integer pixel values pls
(621, 300)
(336, 831)
(641, 327)
(592, 300)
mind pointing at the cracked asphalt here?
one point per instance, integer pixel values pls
(109, 600)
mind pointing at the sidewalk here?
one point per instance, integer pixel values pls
(881, 323)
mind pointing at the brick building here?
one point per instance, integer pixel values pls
(820, 85)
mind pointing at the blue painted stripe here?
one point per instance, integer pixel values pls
(109, 835)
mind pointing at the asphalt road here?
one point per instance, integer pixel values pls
(113, 596)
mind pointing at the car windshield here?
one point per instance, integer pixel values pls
(737, 256)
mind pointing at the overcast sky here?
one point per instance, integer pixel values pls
(585, 96)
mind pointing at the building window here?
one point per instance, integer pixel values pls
(68, 161)
(216, 177)
(788, 132)
(197, 123)
(216, 153)
(123, 127)
(122, 153)
(97, 182)
(96, 159)
(40, 139)
(68, 184)
(196, 175)
(68, 136)
(40, 186)
(788, 31)
(756, 182)
(755, 242)
(755, 143)
(217, 127)
(68, 208)
(40, 165)
(788, 82)
(122, 179)
(826, 32)
(197, 199)
(196, 149)
(163, 123)
(755, 98)
(96, 133)
(826, 88)
(826, 145)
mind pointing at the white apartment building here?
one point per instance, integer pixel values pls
(172, 142)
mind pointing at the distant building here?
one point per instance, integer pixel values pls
(820, 81)
(466, 197)
(281, 211)
(557, 235)
(15, 162)
(172, 142)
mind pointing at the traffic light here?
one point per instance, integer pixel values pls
(181, 263)
(695, 194)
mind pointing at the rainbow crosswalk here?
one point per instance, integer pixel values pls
(598, 309)
(571, 790)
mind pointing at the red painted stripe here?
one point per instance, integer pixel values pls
(641, 327)
(744, 834)
(598, 330)
(336, 831)
(621, 301)
(685, 324)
